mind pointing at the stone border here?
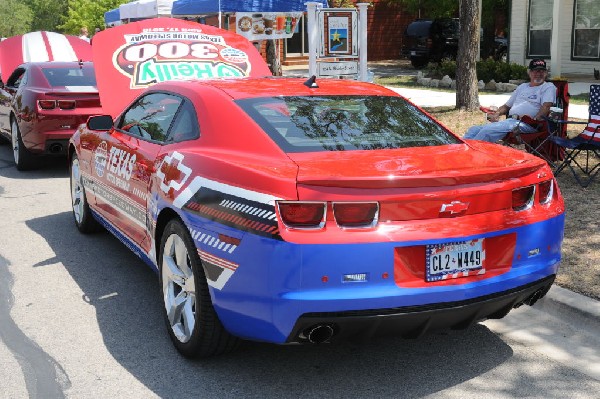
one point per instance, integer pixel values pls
(448, 83)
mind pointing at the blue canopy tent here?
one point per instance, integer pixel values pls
(204, 7)
(112, 17)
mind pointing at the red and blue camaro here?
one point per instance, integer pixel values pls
(292, 211)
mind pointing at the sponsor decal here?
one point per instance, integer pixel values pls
(161, 55)
(100, 158)
(121, 163)
(121, 202)
(172, 173)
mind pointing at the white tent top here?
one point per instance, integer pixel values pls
(146, 9)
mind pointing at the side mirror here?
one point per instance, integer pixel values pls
(100, 122)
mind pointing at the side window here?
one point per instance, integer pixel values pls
(185, 126)
(17, 78)
(151, 116)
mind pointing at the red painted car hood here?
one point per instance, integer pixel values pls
(131, 57)
(475, 162)
(39, 47)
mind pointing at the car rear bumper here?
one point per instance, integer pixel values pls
(414, 321)
(275, 294)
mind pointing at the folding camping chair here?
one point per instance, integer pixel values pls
(582, 153)
(539, 143)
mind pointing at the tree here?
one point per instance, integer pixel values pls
(88, 13)
(467, 93)
(47, 14)
(16, 18)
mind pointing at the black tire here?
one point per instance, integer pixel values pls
(192, 323)
(24, 160)
(419, 63)
(82, 215)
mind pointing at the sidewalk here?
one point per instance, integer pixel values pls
(435, 98)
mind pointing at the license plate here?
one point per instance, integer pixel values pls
(413, 53)
(453, 260)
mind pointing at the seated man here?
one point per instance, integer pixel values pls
(533, 99)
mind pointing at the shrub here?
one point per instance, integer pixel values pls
(518, 72)
(441, 69)
(487, 70)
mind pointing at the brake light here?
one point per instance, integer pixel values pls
(522, 198)
(302, 215)
(46, 104)
(356, 214)
(66, 104)
(546, 191)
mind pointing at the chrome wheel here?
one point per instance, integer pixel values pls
(82, 214)
(14, 133)
(179, 288)
(77, 193)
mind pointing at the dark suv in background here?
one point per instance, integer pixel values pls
(429, 40)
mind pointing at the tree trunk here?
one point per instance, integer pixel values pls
(467, 93)
(273, 58)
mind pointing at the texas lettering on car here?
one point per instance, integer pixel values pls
(277, 210)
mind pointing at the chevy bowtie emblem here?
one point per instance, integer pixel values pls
(455, 207)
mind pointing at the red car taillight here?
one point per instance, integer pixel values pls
(356, 214)
(47, 104)
(66, 104)
(302, 215)
(546, 191)
(522, 198)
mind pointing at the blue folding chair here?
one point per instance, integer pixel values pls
(582, 153)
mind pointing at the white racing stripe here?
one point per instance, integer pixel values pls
(34, 48)
(61, 48)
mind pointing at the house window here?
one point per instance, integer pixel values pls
(586, 30)
(540, 28)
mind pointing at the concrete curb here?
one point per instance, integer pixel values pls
(577, 302)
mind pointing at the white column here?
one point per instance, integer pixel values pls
(555, 42)
(362, 42)
(313, 37)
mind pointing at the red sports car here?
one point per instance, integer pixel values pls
(44, 99)
(292, 211)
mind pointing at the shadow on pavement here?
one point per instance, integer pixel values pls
(125, 294)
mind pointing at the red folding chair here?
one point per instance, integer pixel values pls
(538, 142)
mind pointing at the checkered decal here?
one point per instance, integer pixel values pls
(239, 213)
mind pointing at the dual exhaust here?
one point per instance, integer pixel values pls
(55, 148)
(318, 334)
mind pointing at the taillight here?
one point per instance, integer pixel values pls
(522, 198)
(46, 104)
(302, 215)
(66, 104)
(356, 214)
(546, 191)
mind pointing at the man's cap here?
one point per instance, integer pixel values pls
(537, 64)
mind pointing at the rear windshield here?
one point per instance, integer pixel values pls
(342, 123)
(74, 76)
(418, 28)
